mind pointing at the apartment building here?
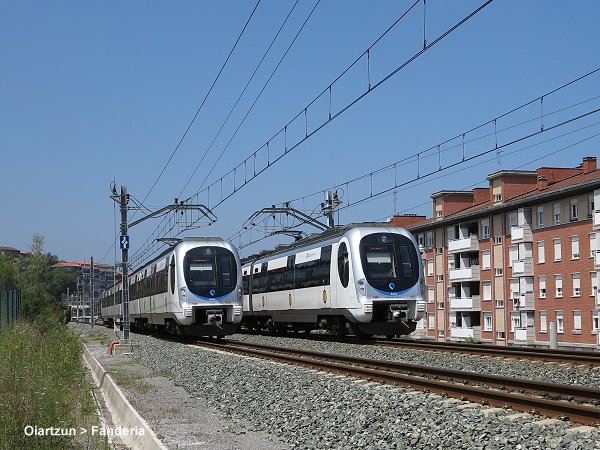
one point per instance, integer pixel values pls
(503, 262)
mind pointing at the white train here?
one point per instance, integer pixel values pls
(193, 288)
(368, 279)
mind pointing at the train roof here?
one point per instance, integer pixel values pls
(316, 238)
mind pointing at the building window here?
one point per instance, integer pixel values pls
(500, 335)
(594, 283)
(558, 293)
(542, 284)
(430, 239)
(500, 303)
(590, 211)
(540, 216)
(574, 247)
(543, 322)
(431, 321)
(577, 321)
(430, 294)
(556, 213)
(486, 260)
(513, 254)
(451, 264)
(440, 305)
(421, 240)
(576, 284)
(592, 245)
(486, 287)
(515, 321)
(440, 250)
(595, 321)
(487, 321)
(574, 210)
(439, 278)
(557, 250)
(497, 198)
(560, 322)
(498, 271)
(511, 222)
(497, 240)
(541, 252)
(485, 228)
(430, 267)
(441, 333)
(438, 213)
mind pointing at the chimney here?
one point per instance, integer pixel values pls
(589, 164)
(542, 183)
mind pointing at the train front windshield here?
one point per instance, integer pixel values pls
(389, 261)
(210, 272)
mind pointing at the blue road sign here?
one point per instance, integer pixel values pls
(124, 242)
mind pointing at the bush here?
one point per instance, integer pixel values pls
(42, 383)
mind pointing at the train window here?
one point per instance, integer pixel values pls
(390, 265)
(381, 263)
(343, 264)
(172, 274)
(201, 273)
(226, 275)
(405, 261)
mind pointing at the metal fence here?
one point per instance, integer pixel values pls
(10, 304)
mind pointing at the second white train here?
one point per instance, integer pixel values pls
(363, 279)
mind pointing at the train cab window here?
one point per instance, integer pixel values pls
(381, 263)
(405, 261)
(201, 273)
(390, 261)
(343, 264)
(226, 275)
(210, 272)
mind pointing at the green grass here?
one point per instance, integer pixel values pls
(43, 384)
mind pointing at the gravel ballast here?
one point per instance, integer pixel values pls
(309, 409)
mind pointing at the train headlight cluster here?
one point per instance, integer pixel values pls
(362, 288)
(182, 295)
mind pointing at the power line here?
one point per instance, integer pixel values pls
(202, 104)
(238, 99)
(331, 116)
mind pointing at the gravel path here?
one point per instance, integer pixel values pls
(313, 410)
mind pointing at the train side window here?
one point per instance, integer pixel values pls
(343, 264)
(172, 269)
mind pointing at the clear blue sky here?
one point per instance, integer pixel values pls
(96, 91)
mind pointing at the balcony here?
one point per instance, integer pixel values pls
(596, 219)
(521, 234)
(525, 302)
(469, 244)
(523, 267)
(463, 333)
(597, 259)
(520, 334)
(466, 303)
(464, 274)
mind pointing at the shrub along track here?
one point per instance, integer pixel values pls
(576, 403)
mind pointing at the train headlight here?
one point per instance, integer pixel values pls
(362, 288)
(240, 295)
(182, 295)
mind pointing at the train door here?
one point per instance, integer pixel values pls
(343, 277)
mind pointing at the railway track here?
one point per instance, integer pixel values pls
(538, 354)
(576, 403)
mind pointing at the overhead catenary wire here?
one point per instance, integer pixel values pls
(239, 98)
(149, 242)
(201, 105)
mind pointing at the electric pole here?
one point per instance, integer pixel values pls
(92, 289)
(123, 200)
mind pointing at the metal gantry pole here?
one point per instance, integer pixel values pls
(92, 297)
(124, 263)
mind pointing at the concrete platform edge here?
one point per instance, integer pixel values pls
(123, 413)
